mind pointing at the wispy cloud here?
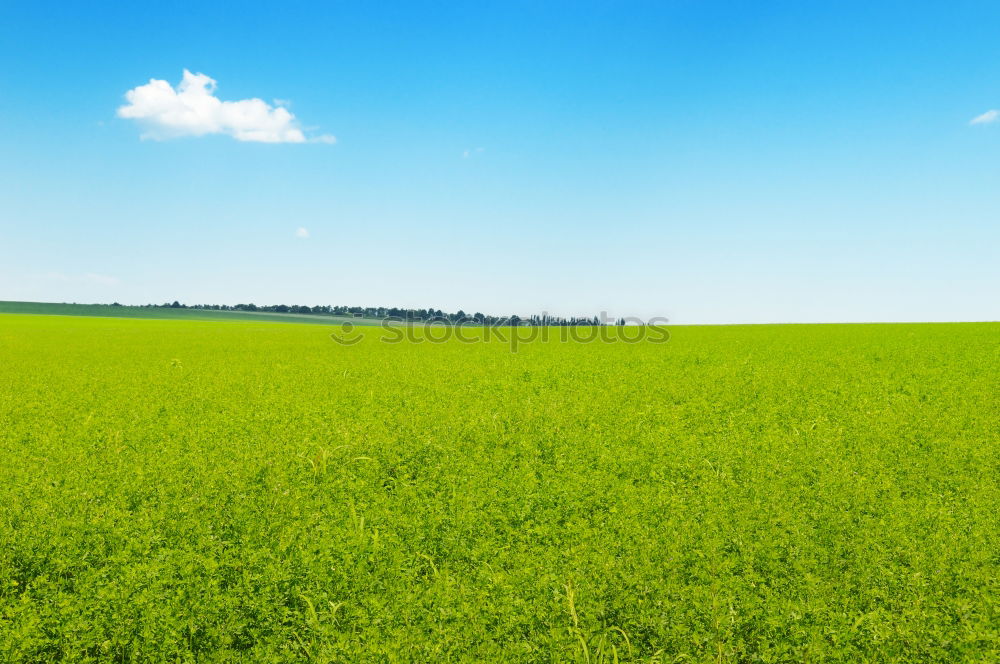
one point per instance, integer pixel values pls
(192, 109)
(301, 233)
(472, 152)
(986, 118)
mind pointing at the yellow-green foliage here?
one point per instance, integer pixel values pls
(180, 491)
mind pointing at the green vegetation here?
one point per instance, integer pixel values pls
(325, 314)
(188, 491)
(167, 312)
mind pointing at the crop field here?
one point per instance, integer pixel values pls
(169, 313)
(182, 491)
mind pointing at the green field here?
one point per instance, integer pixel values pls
(179, 491)
(169, 313)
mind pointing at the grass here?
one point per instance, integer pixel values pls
(189, 491)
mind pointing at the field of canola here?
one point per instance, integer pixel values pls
(181, 491)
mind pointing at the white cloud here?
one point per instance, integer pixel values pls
(468, 153)
(192, 109)
(986, 118)
(302, 233)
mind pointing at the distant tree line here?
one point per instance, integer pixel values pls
(398, 313)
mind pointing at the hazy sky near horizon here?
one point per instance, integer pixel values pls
(713, 162)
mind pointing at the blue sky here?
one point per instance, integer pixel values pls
(711, 162)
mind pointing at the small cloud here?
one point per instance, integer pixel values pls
(302, 233)
(469, 153)
(192, 109)
(988, 117)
